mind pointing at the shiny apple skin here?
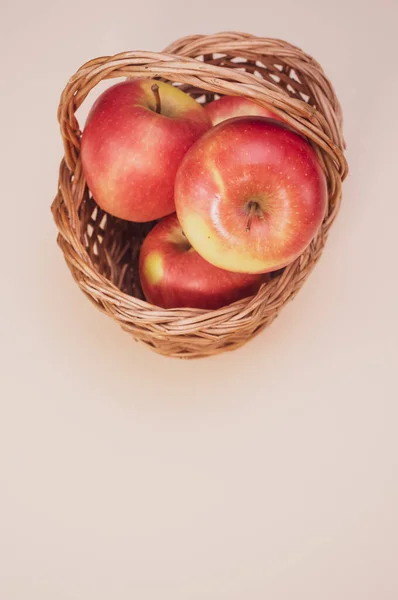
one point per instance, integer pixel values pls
(174, 275)
(130, 153)
(229, 107)
(244, 161)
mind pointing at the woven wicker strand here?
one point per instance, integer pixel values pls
(102, 251)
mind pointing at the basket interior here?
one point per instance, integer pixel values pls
(114, 244)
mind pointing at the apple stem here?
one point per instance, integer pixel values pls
(155, 89)
(252, 209)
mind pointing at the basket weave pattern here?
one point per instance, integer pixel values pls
(102, 251)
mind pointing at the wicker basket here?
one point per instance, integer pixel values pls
(102, 251)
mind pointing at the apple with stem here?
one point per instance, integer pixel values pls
(250, 195)
(174, 275)
(133, 142)
(229, 107)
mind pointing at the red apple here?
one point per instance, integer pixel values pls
(250, 195)
(134, 140)
(228, 107)
(174, 275)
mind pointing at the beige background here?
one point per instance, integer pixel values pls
(271, 472)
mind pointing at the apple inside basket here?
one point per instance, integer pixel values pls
(245, 145)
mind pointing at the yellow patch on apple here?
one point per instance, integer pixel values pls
(201, 236)
(153, 268)
(173, 99)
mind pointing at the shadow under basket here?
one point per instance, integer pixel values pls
(102, 251)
